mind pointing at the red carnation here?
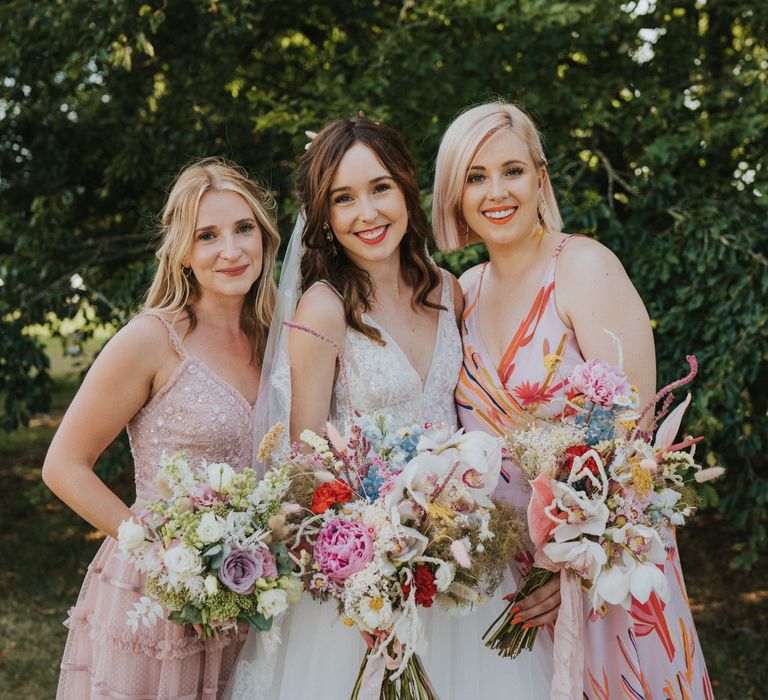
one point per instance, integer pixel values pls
(578, 451)
(328, 495)
(426, 590)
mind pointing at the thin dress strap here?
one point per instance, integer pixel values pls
(174, 337)
(339, 355)
(565, 240)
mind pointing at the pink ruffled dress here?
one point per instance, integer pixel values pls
(198, 413)
(650, 652)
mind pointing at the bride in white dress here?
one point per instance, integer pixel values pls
(372, 293)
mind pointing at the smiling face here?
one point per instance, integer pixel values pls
(368, 214)
(501, 194)
(226, 252)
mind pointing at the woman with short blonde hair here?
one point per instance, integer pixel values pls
(537, 309)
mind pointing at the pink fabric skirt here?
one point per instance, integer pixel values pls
(104, 658)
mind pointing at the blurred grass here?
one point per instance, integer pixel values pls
(45, 549)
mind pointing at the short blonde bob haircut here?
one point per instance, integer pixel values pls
(173, 292)
(458, 149)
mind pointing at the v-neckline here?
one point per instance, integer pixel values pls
(391, 340)
(224, 383)
(496, 365)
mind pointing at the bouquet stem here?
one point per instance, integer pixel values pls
(510, 639)
(412, 684)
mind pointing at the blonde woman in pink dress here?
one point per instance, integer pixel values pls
(183, 376)
(531, 314)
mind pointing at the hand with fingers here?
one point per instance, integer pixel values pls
(539, 608)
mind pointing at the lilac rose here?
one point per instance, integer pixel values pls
(240, 569)
(342, 549)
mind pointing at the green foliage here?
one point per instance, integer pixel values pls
(656, 139)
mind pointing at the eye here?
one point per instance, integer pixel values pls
(513, 171)
(381, 187)
(246, 227)
(342, 199)
(474, 178)
(206, 236)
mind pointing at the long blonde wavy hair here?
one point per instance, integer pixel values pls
(458, 148)
(174, 293)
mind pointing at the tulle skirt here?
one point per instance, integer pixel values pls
(104, 658)
(320, 657)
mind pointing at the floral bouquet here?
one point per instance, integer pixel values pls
(208, 550)
(392, 520)
(605, 496)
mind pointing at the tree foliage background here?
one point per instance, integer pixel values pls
(655, 116)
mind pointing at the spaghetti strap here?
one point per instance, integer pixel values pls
(339, 355)
(329, 285)
(565, 240)
(175, 340)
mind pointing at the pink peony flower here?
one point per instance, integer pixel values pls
(343, 548)
(539, 525)
(600, 382)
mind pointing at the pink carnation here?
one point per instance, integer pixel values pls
(599, 382)
(342, 549)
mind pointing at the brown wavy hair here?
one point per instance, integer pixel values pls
(313, 185)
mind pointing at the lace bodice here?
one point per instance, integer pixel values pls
(196, 412)
(381, 378)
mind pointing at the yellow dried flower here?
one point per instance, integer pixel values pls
(641, 480)
(627, 424)
(272, 438)
(551, 361)
(349, 622)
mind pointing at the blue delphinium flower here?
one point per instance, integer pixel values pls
(369, 487)
(600, 426)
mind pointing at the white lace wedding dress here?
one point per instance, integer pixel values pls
(319, 656)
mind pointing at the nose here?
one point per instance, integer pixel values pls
(498, 188)
(230, 247)
(368, 210)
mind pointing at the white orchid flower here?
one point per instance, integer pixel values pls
(664, 502)
(587, 557)
(584, 515)
(478, 456)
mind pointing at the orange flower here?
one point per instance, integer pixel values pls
(328, 495)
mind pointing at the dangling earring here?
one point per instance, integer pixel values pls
(464, 226)
(187, 271)
(538, 232)
(330, 238)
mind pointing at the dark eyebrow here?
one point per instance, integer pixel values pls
(370, 182)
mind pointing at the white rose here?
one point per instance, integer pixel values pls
(181, 562)
(220, 476)
(130, 535)
(210, 528)
(211, 584)
(272, 602)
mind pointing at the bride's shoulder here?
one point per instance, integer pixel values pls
(322, 308)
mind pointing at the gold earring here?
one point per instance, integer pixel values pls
(539, 231)
(330, 238)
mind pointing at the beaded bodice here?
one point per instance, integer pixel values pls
(380, 377)
(196, 412)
